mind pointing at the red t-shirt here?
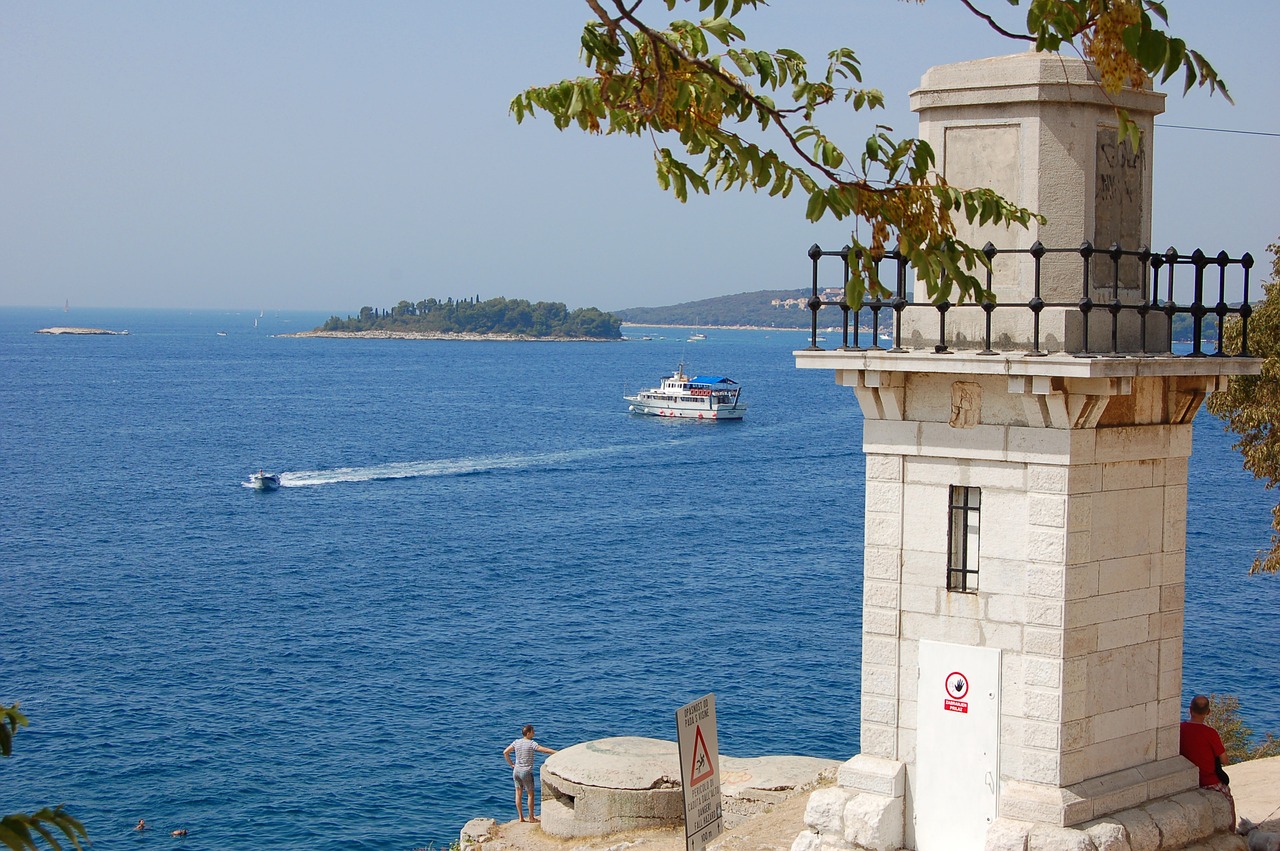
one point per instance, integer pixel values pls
(1200, 743)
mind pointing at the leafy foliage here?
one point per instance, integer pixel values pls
(725, 107)
(1251, 403)
(495, 316)
(21, 831)
(1237, 738)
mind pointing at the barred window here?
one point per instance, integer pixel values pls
(962, 539)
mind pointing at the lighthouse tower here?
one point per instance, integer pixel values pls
(1026, 495)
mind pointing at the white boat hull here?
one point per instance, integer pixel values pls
(264, 482)
(686, 411)
(690, 398)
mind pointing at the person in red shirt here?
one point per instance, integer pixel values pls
(1202, 745)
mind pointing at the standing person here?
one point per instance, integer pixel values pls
(1202, 745)
(524, 749)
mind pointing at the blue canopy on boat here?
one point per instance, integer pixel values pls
(711, 379)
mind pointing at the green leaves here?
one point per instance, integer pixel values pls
(10, 720)
(746, 118)
(19, 832)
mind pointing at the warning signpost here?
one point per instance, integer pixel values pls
(700, 772)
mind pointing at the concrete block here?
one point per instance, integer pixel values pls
(477, 831)
(878, 650)
(1050, 838)
(1004, 608)
(1047, 510)
(1047, 580)
(1046, 612)
(825, 811)
(885, 595)
(1080, 547)
(1043, 767)
(879, 680)
(1199, 811)
(921, 599)
(1128, 574)
(1048, 479)
(1033, 802)
(1007, 835)
(884, 468)
(883, 496)
(1080, 641)
(879, 740)
(883, 777)
(1108, 835)
(1125, 475)
(1169, 777)
(1132, 443)
(1043, 642)
(1047, 546)
(1043, 673)
(1110, 793)
(1076, 734)
(1223, 817)
(880, 621)
(1004, 576)
(1080, 513)
(1143, 833)
(1125, 722)
(807, 841)
(1177, 827)
(880, 710)
(1082, 581)
(1084, 479)
(1042, 705)
(890, 437)
(1041, 735)
(874, 822)
(1006, 636)
(882, 563)
(883, 529)
(1123, 632)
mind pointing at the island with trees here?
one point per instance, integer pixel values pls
(496, 318)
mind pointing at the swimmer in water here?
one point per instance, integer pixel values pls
(141, 825)
(182, 831)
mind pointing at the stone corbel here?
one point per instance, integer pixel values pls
(1066, 403)
(881, 394)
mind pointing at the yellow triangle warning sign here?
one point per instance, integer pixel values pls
(702, 768)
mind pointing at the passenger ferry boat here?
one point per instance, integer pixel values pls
(702, 397)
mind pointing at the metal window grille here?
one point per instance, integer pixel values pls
(962, 539)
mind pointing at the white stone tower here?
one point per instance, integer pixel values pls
(1026, 509)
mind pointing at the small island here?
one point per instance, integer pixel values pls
(65, 330)
(495, 319)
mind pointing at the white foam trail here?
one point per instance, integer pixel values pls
(444, 467)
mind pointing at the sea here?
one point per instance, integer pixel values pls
(470, 536)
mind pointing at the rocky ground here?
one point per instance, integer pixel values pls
(1255, 785)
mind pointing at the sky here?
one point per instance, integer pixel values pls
(325, 155)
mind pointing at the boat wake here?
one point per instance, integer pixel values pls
(446, 467)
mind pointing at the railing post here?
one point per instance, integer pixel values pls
(1036, 304)
(815, 254)
(1086, 303)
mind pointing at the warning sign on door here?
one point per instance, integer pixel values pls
(957, 687)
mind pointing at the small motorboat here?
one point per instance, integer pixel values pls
(264, 481)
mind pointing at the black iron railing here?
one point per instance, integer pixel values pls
(1155, 274)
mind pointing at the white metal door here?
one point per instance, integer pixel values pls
(957, 782)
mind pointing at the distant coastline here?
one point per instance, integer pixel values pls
(65, 330)
(442, 335)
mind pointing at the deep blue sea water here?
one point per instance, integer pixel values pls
(472, 536)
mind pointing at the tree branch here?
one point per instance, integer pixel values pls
(991, 22)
